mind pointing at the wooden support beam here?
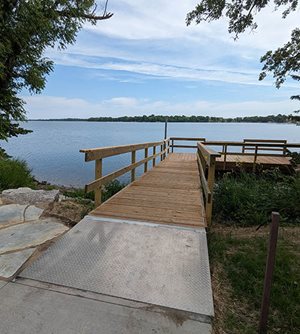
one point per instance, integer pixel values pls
(210, 183)
(98, 175)
(154, 152)
(146, 163)
(133, 158)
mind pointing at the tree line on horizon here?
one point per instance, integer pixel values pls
(189, 119)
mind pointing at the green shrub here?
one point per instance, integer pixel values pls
(108, 190)
(14, 173)
(249, 199)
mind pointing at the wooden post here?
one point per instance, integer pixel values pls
(210, 183)
(172, 145)
(98, 175)
(146, 163)
(269, 273)
(168, 145)
(225, 155)
(154, 152)
(166, 127)
(133, 157)
(255, 158)
(161, 149)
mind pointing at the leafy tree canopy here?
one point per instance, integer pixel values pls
(27, 28)
(283, 62)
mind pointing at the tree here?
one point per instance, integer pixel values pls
(27, 28)
(283, 62)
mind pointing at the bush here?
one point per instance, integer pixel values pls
(249, 199)
(108, 190)
(15, 173)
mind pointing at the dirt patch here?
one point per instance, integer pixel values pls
(69, 211)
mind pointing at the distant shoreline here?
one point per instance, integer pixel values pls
(182, 119)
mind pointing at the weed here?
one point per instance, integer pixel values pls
(248, 199)
(14, 173)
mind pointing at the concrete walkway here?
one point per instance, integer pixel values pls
(107, 276)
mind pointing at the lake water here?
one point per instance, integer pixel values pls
(52, 150)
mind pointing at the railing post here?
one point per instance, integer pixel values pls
(133, 157)
(161, 150)
(98, 175)
(146, 163)
(269, 273)
(210, 183)
(225, 155)
(172, 145)
(255, 158)
(168, 146)
(154, 152)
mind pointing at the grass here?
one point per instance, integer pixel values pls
(238, 263)
(14, 173)
(248, 199)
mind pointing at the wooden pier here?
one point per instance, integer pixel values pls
(178, 188)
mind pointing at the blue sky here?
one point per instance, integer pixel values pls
(144, 60)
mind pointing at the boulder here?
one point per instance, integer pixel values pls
(41, 198)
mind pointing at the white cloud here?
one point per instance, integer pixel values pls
(152, 39)
(47, 107)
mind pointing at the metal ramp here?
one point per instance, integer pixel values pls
(159, 265)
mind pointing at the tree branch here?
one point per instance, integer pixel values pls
(91, 16)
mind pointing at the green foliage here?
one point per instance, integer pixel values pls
(243, 261)
(109, 190)
(248, 199)
(27, 28)
(193, 119)
(14, 173)
(283, 62)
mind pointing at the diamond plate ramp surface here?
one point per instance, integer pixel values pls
(158, 265)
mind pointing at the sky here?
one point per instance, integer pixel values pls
(145, 60)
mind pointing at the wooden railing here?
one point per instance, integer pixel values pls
(175, 139)
(207, 164)
(258, 148)
(98, 154)
(250, 143)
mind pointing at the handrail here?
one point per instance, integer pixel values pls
(98, 154)
(206, 159)
(256, 145)
(104, 152)
(237, 143)
(173, 139)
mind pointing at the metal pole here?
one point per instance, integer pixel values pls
(166, 127)
(269, 273)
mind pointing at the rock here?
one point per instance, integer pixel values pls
(12, 214)
(17, 213)
(29, 196)
(30, 234)
(12, 262)
(32, 213)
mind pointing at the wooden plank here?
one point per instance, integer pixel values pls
(104, 152)
(171, 197)
(187, 138)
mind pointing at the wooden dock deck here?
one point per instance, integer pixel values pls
(170, 193)
(178, 190)
(236, 161)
